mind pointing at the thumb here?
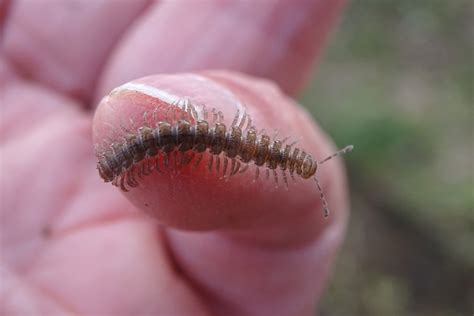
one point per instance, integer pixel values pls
(246, 222)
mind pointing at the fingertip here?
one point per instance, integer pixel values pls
(192, 198)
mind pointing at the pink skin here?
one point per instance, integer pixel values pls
(72, 244)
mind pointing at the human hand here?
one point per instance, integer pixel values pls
(72, 244)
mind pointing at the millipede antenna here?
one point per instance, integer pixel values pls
(343, 151)
(323, 197)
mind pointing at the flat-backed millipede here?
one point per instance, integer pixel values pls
(177, 142)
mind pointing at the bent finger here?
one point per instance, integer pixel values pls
(64, 44)
(279, 40)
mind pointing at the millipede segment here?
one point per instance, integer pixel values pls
(178, 141)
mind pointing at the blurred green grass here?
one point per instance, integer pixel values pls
(397, 82)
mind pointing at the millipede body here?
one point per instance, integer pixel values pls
(178, 142)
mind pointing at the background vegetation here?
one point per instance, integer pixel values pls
(397, 82)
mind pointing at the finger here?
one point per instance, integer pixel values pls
(63, 44)
(267, 249)
(26, 105)
(56, 219)
(279, 40)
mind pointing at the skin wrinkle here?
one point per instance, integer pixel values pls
(178, 270)
(60, 198)
(67, 306)
(18, 298)
(141, 233)
(229, 298)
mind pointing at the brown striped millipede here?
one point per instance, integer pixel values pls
(185, 136)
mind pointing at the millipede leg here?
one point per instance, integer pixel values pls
(214, 115)
(244, 168)
(122, 183)
(145, 119)
(183, 160)
(146, 169)
(131, 176)
(185, 107)
(244, 117)
(275, 177)
(175, 117)
(209, 165)
(284, 140)
(295, 142)
(267, 174)
(193, 112)
(168, 117)
(220, 115)
(166, 160)
(275, 134)
(218, 164)
(177, 161)
(285, 179)
(129, 180)
(172, 113)
(242, 122)
(257, 173)
(157, 165)
(236, 117)
(151, 165)
(187, 158)
(114, 148)
(237, 168)
(183, 112)
(249, 122)
(224, 168)
(153, 115)
(292, 176)
(205, 113)
(139, 172)
(198, 160)
(233, 167)
(102, 144)
(183, 103)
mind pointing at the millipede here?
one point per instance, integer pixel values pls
(186, 139)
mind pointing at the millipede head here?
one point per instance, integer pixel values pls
(309, 167)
